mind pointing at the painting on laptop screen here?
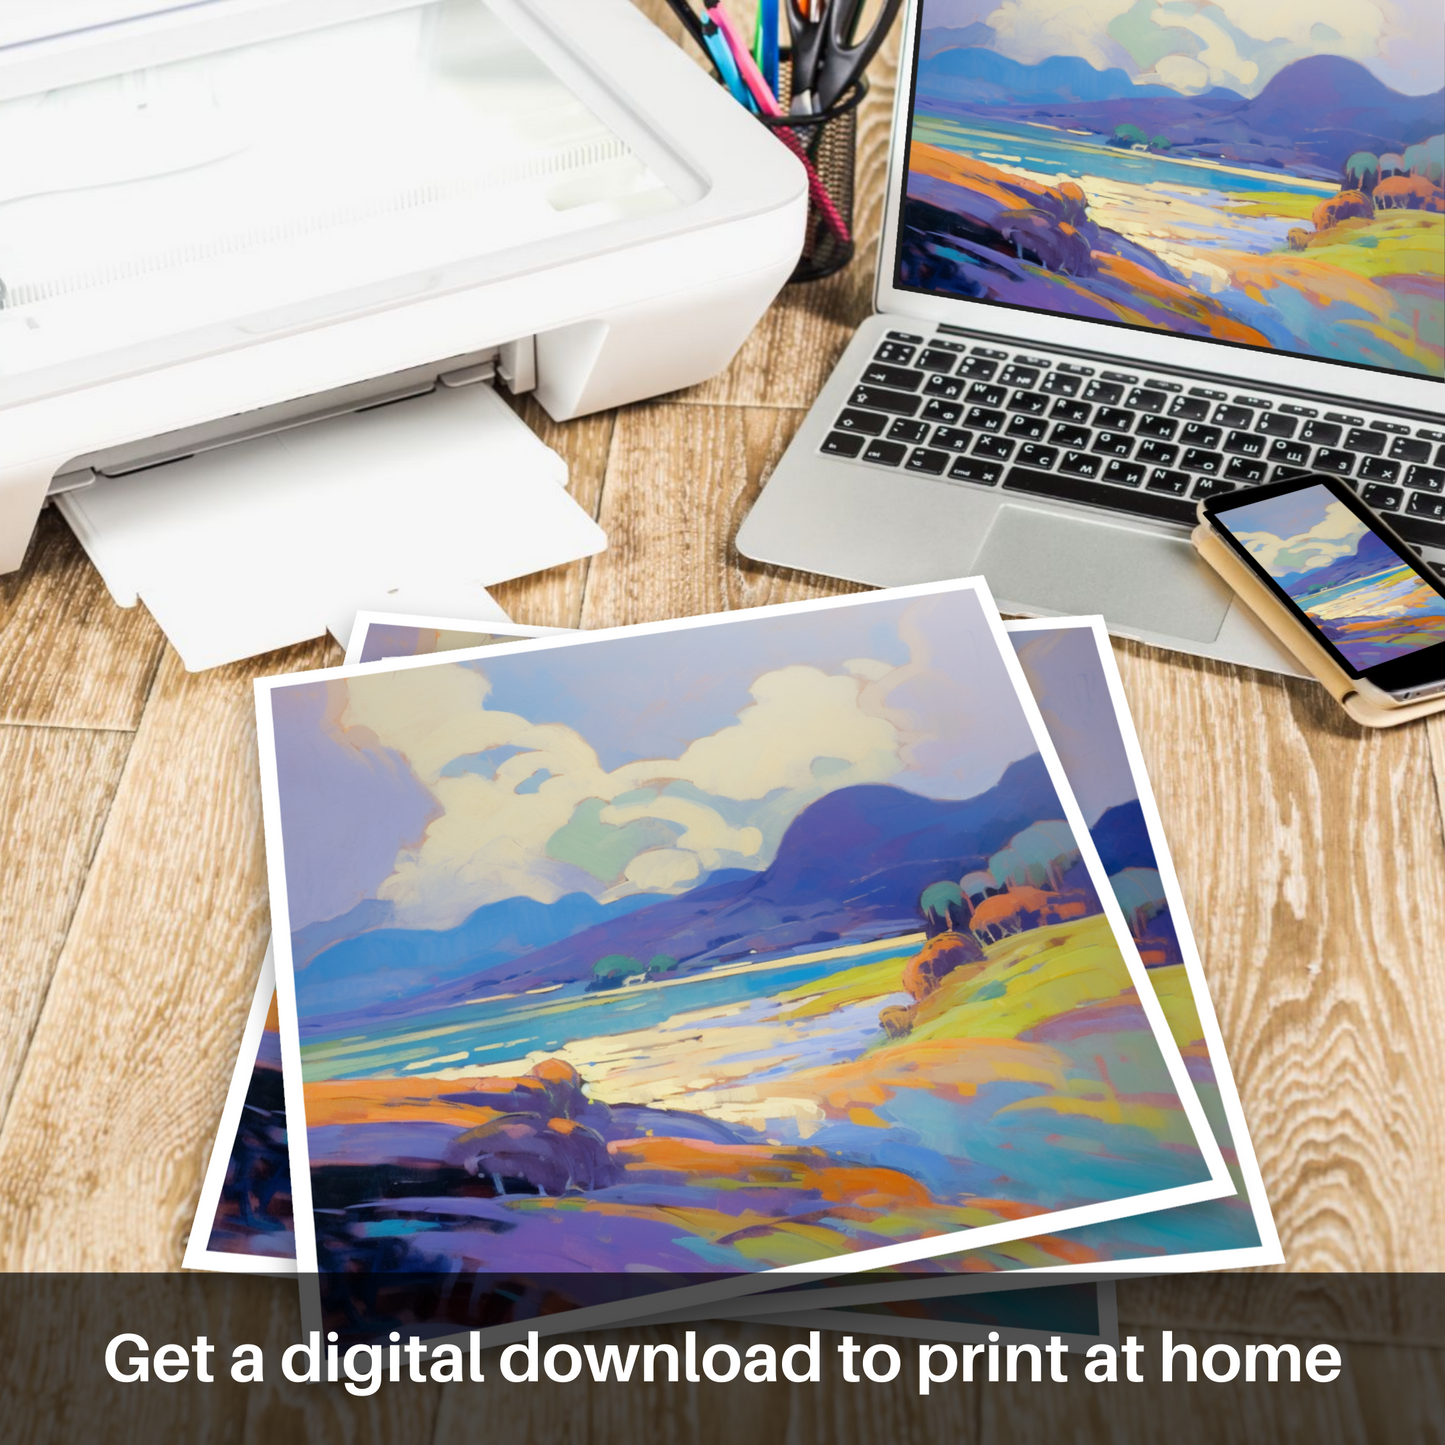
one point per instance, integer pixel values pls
(1262, 174)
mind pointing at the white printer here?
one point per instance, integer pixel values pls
(226, 219)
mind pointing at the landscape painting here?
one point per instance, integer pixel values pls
(1269, 175)
(673, 951)
(1372, 605)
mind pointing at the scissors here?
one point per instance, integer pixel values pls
(828, 56)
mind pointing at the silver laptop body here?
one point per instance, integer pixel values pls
(1063, 457)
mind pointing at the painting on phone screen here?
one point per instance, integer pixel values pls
(1356, 590)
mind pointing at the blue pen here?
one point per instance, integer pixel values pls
(727, 67)
(768, 50)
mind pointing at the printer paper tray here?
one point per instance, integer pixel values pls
(417, 506)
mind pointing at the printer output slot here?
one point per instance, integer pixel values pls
(514, 363)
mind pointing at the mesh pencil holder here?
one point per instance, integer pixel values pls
(826, 143)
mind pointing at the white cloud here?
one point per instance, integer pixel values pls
(491, 840)
(1032, 30)
(1337, 534)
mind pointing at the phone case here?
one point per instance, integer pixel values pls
(1296, 637)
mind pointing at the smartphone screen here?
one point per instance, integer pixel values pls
(1359, 589)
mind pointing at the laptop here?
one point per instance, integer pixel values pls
(1125, 265)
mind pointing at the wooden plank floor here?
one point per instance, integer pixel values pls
(133, 908)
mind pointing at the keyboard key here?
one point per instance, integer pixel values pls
(1189, 408)
(1429, 434)
(1292, 454)
(1235, 416)
(1271, 424)
(995, 447)
(843, 444)
(981, 394)
(1425, 479)
(955, 439)
(1019, 376)
(1381, 498)
(1244, 444)
(1156, 426)
(1113, 418)
(948, 387)
(1371, 443)
(1107, 392)
(985, 351)
(1293, 410)
(1099, 494)
(877, 374)
(1245, 469)
(1059, 383)
(1196, 459)
(1075, 411)
(1289, 474)
(1395, 428)
(982, 419)
(1344, 419)
(1128, 378)
(1163, 480)
(1031, 455)
(1423, 504)
(1032, 428)
(1035, 403)
(878, 398)
(1377, 469)
(1321, 433)
(886, 454)
(1081, 464)
(937, 410)
(1127, 474)
(924, 459)
(1207, 394)
(1162, 385)
(1142, 398)
(935, 360)
(1071, 436)
(976, 368)
(895, 353)
(1112, 444)
(1156, 453)
(904, 430)
(1211, 487)
(905, 336)
(1418, 530)
(1440, 457)
(867, 422)
(959, 347)
(1407, 449)
(971, 469)
(1332, 459)
(1076, 370)
(1195, 435)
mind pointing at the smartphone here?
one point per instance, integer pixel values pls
(1360, 590)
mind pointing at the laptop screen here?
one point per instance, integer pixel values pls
(1263, 173)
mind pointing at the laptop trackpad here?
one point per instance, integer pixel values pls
(1071, 565)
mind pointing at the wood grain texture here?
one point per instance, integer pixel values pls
(56, 786)
(1312, 861)
(679, 483)
(69, 657)
(115, 1109)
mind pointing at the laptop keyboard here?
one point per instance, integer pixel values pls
(1143, 445)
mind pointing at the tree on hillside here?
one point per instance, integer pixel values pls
(1159, 142)
(1038, 856)
(610, 972)
(661, 963)
(1392, 165)
(978, 884)
(944, 909)
(1362, 170)
(1128, 135)
(1426, 159)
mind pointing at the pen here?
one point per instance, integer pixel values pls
(765, 42)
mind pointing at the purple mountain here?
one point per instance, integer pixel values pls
(1122, 838)
(1369, 557)
(849, 868)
